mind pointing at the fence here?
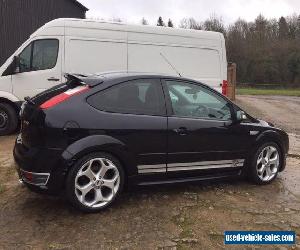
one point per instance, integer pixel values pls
(231, 78)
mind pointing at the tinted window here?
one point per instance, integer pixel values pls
(191, 100)
(39, 55)
(134, 97)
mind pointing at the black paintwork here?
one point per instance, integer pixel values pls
(53, 139)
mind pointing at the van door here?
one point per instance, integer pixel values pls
(40, 67)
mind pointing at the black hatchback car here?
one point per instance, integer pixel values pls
(95, 134)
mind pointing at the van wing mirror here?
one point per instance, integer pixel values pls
(17, 68)
(13, 67)
(241, 116)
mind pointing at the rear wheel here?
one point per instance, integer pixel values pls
(266, 163)
(8, 119)
(95, 182)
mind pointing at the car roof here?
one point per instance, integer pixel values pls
(113, 76)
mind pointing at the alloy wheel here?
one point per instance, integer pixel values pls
(267, 163)
(97, 182)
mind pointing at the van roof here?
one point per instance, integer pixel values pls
(98, 24)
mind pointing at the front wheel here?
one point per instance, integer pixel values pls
(95, 182)
(265, 164)
(8, 119)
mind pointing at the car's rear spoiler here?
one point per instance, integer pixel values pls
(90, 80)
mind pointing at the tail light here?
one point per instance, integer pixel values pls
(224, 87)
(63, 97)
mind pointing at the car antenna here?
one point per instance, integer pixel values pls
(170, 64)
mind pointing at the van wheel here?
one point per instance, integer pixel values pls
(8, 119)
(95, 182)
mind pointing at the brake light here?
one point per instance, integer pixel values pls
(224, 87)
(28, 176)
(63, 97)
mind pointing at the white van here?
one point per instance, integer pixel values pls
(88, 46)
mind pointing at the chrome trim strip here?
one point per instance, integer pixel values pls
(205, 163)
(42, 184)
(163, 168)
(254, 132)
(153, 170)
(203, 167)
(152, 166)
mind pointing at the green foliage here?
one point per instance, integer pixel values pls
(255, 91)
(265, 51)
(294, 65)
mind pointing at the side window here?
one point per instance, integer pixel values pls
(191, 100)
(144, 97)
(39, 55)
(25, 58)
(44, 55)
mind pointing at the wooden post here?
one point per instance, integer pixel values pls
(231, 78)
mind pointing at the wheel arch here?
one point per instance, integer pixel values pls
(100, 143)
(270, 136)
(14, 104)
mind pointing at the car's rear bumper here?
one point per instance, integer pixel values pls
(43, 168)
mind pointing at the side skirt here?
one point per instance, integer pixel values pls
(192, 179)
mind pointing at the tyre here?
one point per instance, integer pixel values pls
(95, 182)
(266, 163)
(8, 119)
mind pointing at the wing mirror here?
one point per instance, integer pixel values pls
(13, 67)
(241, 116)
(16, 65)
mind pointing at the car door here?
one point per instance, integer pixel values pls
(201, 132)
(40, 67)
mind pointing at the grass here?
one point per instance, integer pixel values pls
(255, 91)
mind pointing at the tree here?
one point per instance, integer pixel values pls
(294, 66)
(214, 23)
(170, 23)
(160, 22)
(144, 21)
(283, 31)
(260, 28)
(265, 50)
(298, 29)
(190, 23)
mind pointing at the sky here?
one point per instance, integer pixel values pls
(132, 11)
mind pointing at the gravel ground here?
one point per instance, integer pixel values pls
(165, 217)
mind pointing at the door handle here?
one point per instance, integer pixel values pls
(53, 79)
(181, 131)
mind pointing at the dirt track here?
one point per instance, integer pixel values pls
(173, 217)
